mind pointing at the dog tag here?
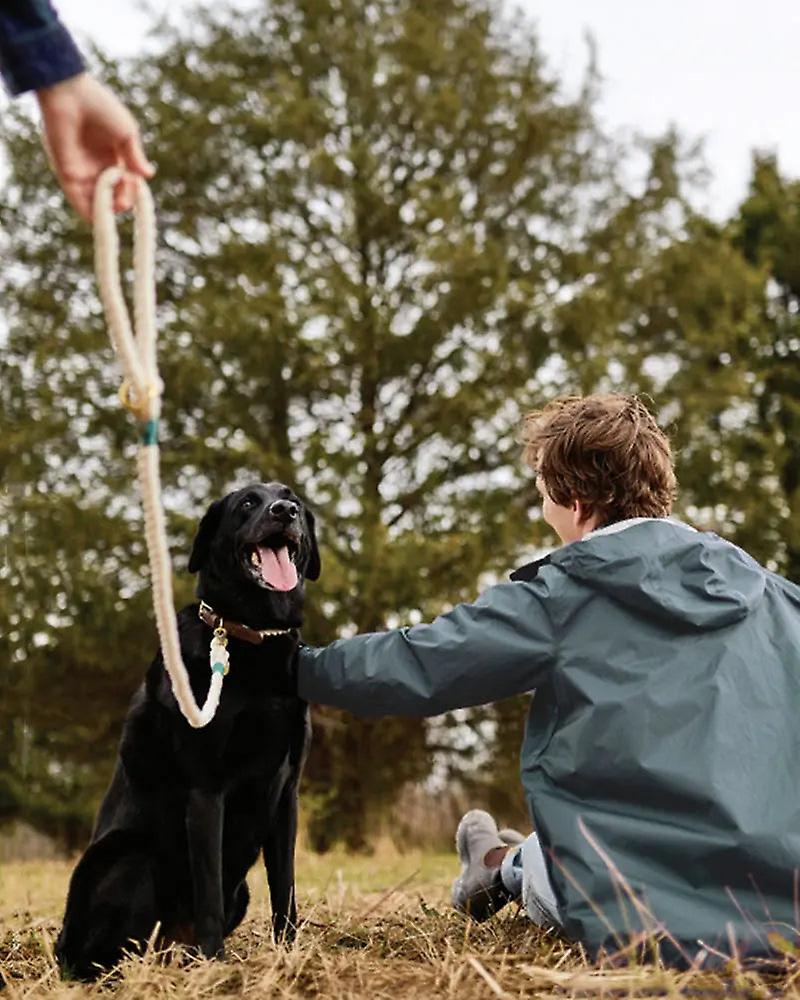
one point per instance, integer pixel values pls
(219, 655)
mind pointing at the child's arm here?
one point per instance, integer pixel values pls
(477, 653)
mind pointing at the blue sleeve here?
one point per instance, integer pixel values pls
(501, 645)
(36, 50)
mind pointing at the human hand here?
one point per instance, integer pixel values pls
(87, 129)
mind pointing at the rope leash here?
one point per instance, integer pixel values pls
(141, 393)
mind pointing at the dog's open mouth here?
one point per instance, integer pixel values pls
(271, 562)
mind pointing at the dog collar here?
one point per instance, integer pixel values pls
(210, 617)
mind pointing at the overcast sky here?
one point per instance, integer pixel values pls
(727, 71)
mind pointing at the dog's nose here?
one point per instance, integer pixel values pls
(284, 510)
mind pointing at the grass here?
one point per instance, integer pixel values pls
(376, 927)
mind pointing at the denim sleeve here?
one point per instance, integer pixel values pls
(36, 50)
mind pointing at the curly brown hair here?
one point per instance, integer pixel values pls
(605, 450)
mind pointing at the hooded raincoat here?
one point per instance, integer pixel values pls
(661, 759)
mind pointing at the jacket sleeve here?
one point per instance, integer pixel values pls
(499, 646)
(36, 50)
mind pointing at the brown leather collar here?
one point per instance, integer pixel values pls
(236, 629)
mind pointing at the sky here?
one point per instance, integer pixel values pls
(719, 70)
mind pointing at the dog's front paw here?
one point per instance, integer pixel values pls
(217, 952)
(211, 948)
(210, 942)
(284, 931)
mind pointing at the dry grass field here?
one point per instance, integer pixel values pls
(377, 927)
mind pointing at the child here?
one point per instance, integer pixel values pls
(661, 747)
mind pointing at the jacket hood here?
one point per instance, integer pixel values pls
(668, 571)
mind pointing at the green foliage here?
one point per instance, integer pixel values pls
(767, 231)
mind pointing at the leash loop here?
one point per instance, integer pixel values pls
(133, 400)
(140, 393)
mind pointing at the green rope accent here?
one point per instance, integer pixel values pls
(150, 432)
(218, 668)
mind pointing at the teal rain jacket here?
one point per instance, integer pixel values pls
(661, 759)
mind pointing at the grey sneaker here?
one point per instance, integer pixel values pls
(478, 891)
(511, 838)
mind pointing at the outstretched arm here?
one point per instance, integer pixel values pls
(477, 653)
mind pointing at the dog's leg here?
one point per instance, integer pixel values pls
(279, 860)
(110, 906)
(204, 818)
(237, 908)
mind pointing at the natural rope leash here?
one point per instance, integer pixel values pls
(141, 394)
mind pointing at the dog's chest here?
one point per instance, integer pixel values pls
(258, 742)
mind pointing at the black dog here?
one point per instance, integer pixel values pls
(188, 810)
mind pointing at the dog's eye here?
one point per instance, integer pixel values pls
(247, 504)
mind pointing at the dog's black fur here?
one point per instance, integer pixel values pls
(188, 810)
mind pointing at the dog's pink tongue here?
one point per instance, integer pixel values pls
(277, 568)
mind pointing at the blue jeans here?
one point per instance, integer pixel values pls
(524, 874)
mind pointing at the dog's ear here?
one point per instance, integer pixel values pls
(314, 565)
(205, 535)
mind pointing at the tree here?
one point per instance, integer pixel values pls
(767, 231)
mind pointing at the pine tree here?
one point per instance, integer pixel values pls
(767, 231)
